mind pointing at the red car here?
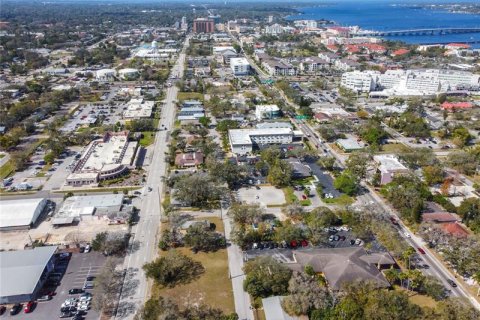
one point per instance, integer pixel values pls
(421, 250)
(29, 307)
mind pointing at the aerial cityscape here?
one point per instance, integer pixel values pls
(240, 160)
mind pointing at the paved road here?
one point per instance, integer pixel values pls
(144, 243)
(437, 268)
(235, 265)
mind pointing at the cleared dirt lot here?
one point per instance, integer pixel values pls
(85, 231)
(265, 195)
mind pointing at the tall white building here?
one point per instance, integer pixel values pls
(184, 24)
(360, 81)
(239, 66)
(242, 141)
(268, 111)
(274, 29)
(409, 82)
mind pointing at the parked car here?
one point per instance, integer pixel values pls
(29, 307)
(75, 291)
(15, 309)
(87, 248)
(66, 314)
(2, 310)
(45, 297)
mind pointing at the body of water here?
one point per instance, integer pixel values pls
(396, 15)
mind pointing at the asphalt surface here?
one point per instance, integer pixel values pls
(235, 266)
(79, 266)
(144, 240)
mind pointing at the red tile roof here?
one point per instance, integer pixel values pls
(457, 45)
(439, 217)
(455, 229)
(400, 52)
(456, 105)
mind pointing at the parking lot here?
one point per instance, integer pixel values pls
(77, 269)
(264, 195)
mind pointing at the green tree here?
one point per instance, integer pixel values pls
(280, 173)
(433, 174)
(205, 121)
(346, 183)
(173, 268)
(357, 164)
(469, 210)
(201, 238)
(244, 214)
(188, 192)
(305, 295)
(266, 277)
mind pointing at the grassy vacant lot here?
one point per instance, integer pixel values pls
(418, 299)
(394, 148)
(147, 139)
(6, 170)
(213, 288)
(343, 200)
(290, 196)
(182, 96)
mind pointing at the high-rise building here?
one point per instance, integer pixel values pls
(203, 25)
(184, 24)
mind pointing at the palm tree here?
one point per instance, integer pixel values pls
(407, 254)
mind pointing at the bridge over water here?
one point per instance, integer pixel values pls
(416, 32)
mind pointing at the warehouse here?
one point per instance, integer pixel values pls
(20, 214)
(23, 273)
(77, 208)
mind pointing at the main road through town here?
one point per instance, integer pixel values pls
(144, 240)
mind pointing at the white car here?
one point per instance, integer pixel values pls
(87, 248)
(407, 235)
(83, 307)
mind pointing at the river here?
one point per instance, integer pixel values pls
(382, 15)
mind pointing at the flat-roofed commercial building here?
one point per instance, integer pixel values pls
(242, 141)
(21, 213)
(240, 66)
(23, 273)
(106, 158)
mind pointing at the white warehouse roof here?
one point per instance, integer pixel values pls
(21, 212)
(21, 270)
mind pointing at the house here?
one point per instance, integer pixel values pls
(190, 159)
(330, 57)
(400, 52)
(455, 229)
(299, 169)
(389, 166)
(452, 106)
(439, 217)
(349, 144)
(344, 265)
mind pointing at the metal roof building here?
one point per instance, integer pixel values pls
(20, 214)
(23, 273)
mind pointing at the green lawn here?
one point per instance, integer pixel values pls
(182, 96)
(394, 148)
(290, 196)
(343, 200)
(6, 170)
(213, 288)
(147, 139)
